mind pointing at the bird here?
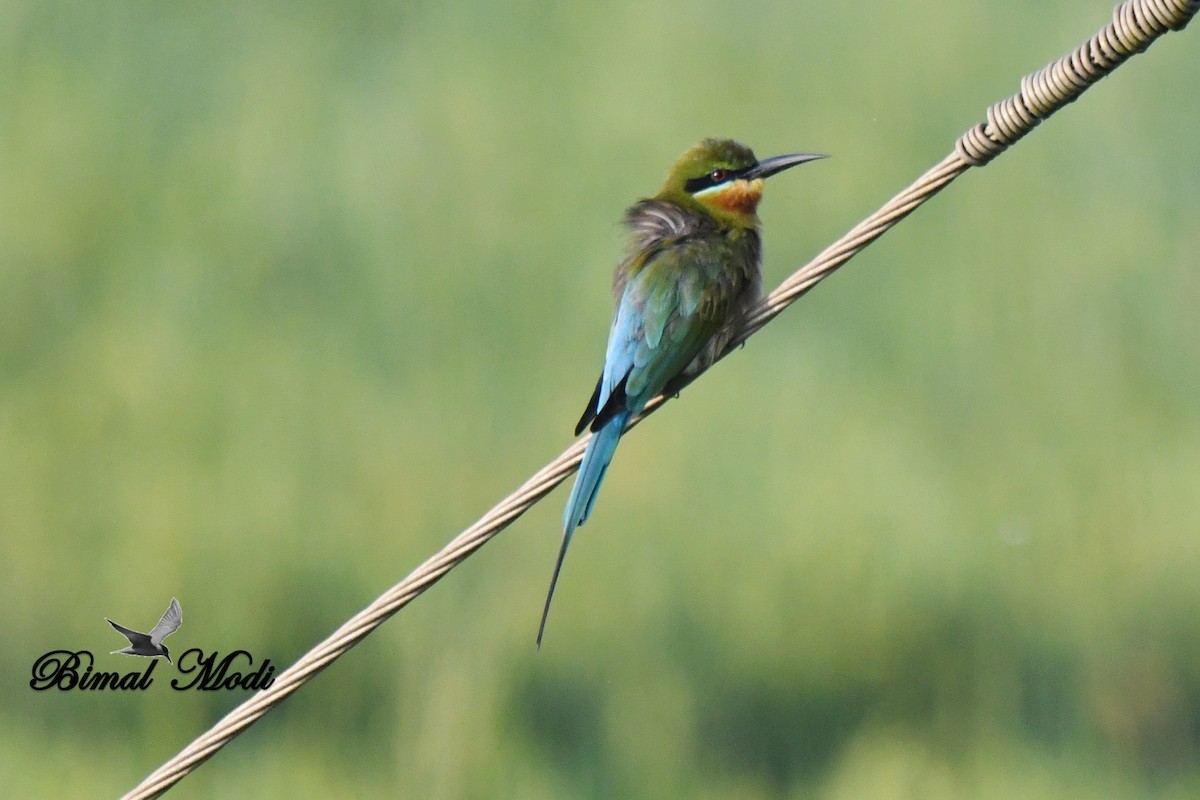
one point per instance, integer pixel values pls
(690, 274)
(151, 644)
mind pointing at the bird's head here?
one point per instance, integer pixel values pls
(723, 179)
(167, 654)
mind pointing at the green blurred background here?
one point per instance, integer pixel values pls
(289, 295)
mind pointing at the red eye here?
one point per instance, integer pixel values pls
(717, 176)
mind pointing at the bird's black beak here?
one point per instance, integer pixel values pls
(770, 166)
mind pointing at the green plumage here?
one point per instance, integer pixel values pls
(682, 291)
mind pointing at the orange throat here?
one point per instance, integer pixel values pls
(738, 197)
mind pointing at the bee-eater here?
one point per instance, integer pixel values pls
(690, 275)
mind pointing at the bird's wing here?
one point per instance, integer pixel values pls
(133, 636)
(668, 311)
(170, 622)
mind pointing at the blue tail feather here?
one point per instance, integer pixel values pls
(595, 463)
(591, 472)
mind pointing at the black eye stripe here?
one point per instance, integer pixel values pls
(713, 178)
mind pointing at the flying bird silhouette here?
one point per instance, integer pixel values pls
(151, 644)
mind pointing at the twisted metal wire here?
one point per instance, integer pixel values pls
(1136, 24)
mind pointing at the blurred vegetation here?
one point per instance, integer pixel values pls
(291, 294)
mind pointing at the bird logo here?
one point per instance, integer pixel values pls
(151, 644)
